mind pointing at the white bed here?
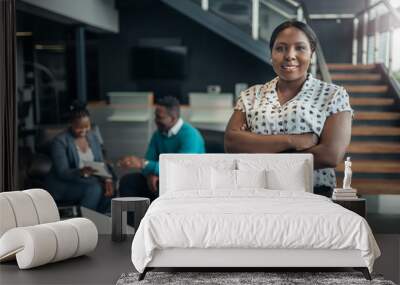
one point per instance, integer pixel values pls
(225, 210)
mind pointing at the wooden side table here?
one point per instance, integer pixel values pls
(357, 206)
(119, 207)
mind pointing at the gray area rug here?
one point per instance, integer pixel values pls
(269, 278)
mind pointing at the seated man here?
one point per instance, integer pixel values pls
(173, 135)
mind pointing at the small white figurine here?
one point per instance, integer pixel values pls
(347, 174)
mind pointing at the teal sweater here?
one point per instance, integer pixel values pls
(187, 140)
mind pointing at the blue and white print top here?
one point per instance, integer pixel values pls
(304, 113)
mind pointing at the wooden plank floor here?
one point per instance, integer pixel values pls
(349, 66)
(381, 116)
(374, 166)
(366, 88)
(374, 147)
(375, 131)
(366, 186)
(371, 101)
(351, 76)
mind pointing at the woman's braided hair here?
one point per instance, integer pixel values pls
(78, 110)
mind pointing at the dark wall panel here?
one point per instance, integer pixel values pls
(211, 59)
(49, 53)
(336, 39)
(335, 7)
(335, 36)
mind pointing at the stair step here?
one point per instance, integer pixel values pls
(373, 166)
(382, 116)
(366, 88)
(375, 131)
(371, 101)
(367, 186)
(356, 76)
(374, 148)
(349, 66)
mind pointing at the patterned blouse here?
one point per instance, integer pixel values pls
(304, 113)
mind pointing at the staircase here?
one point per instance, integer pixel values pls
(222, 18)
(375, 142)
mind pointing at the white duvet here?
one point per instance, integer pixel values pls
(253, 218)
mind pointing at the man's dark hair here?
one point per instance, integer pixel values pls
(78, 110)
(306, 29)
(171, 104)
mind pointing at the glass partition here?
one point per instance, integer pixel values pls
(382, 36)
(270, 16)
(197, 1)
(396, 59)
(240, 13)
(237, 12)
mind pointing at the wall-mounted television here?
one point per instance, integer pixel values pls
(166, 62)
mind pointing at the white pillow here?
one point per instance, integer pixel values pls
(280, 174)
(292, 179)
(223, 179)
(188, 177)
(251, 178)
(227, 179)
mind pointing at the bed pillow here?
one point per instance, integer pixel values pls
(184, 177)
(228, 179)
(280, 175)
(251, 178)
(223, 179)
(290, 179)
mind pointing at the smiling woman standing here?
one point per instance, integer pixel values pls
(294, 112)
